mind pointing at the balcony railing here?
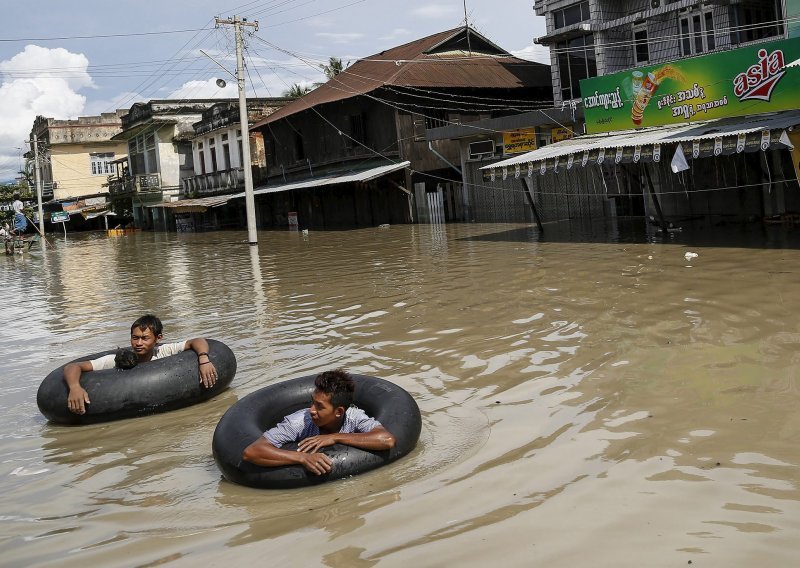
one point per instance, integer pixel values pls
(215, 182)
(47, 189)
(142, 183)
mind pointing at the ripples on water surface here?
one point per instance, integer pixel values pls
(584, 403)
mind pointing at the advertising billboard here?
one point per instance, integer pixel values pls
(740, 82)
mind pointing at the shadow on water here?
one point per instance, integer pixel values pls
(692, 232)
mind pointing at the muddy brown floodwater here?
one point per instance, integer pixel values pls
(586, 401)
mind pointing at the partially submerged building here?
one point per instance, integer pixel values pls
(689, 108)
(354, 152)
(158, 135)
(186, 161)
(76, 158)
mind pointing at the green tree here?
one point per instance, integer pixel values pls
(333, 68)
(6, 197)
(296, 91)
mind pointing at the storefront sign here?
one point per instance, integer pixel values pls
(557, 134)
(519, 141)
(740, 82)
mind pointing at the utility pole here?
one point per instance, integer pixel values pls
(466, 25)
(38, 182)
(249, 198)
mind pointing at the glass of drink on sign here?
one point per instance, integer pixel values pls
(649, 86)
(636, 81)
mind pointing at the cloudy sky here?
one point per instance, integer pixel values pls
(70, 58)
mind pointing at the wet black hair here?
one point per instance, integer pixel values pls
(125, 359)
(16, 195)
(148, 321)
(338, 384)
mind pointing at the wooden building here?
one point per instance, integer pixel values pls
(366, 128)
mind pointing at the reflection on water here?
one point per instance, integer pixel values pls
(579, 388)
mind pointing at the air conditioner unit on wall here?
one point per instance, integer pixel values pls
(483, 148)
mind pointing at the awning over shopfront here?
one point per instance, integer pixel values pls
(348, 177)
(200, 205)
(99, 214)
(713, 138)
(88, 207)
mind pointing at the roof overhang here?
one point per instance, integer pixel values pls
(200, 205)
(628, 145)
(347, 177)
(105, 213)
(530, 119)
(146, 125)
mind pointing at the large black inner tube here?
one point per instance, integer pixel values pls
(247, 419)
(157, 386)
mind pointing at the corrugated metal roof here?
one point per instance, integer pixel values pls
(199, 205)
(658, 135)
(411, 65)
(365, 175)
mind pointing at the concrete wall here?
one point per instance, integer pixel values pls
(72, 169)
(233, 144)
(168, 160)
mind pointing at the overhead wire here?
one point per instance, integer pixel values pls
(379, 83)
(99, 36)
(279, 4)
(448, 179)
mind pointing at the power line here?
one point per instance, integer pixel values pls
(100, 36)
(379, 83)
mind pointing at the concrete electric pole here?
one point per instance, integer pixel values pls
(37, 179)
(249, 199)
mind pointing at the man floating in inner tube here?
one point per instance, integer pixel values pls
(145, 335)
(330, 420)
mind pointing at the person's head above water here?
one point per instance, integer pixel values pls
(333, 394)
(149, 321)
(145, 334)
(125, 359)
(338, 384)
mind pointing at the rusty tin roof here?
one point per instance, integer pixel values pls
(443, 60)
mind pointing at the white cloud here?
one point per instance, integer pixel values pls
(340, 37)
(534, 52)
(207, 89)
(436, 11)
(47, 63)
(38, 81)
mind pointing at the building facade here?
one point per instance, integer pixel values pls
(217, 147)
(589, 38)
(158, 135)
(689, 112)
(75, 156)
(372, 118)
(489, 140)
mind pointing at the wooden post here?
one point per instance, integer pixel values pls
(656, 203)
(533, 205)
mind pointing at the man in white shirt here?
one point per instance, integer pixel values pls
(145, 334)
(20, 222)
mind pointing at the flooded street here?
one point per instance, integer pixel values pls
(584, 402)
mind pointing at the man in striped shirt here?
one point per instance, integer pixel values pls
(330, 420)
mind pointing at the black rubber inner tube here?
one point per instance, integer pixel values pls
(247, 419)
(157, 386)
